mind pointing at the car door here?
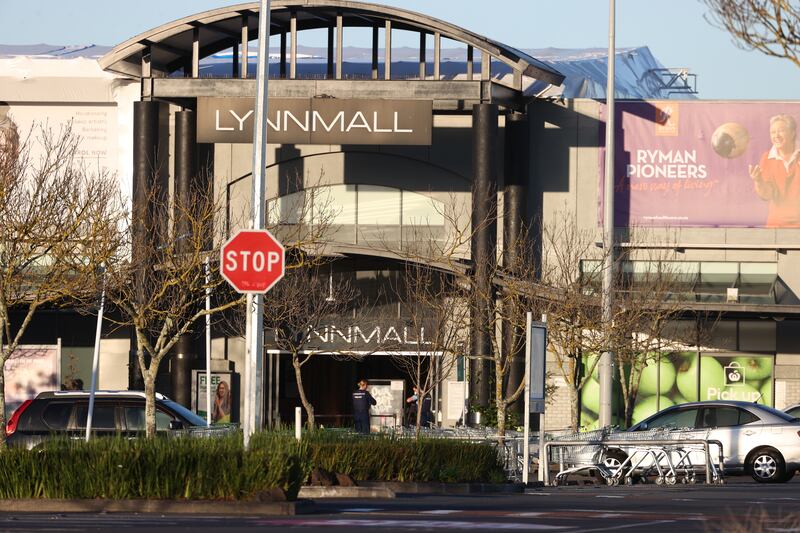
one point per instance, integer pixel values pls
(104, 419)
(719, 422)
(133, 417)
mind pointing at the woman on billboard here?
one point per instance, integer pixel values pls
(222, 404)
(777, 176)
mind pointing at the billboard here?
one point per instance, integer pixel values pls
(29, 370)
(705, 164)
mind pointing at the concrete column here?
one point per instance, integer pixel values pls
(484, 242)
(186, 173)
(517, 140)
(146, 179)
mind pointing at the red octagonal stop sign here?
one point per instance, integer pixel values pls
(252, 261)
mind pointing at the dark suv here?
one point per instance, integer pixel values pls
(115, 413)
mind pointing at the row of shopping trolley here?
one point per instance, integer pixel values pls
(664, 456)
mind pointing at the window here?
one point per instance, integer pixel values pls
(56, 415)
(135, 419)
(102, 419)
(678, 418)
(746, 417)
(719, 417)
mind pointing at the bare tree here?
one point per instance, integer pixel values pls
(770, 26)
(60, 224)
(297, 307)
(647, 300)
(566, 290)
(160, 290)
(433, 306)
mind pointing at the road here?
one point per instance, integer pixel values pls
(736, 507)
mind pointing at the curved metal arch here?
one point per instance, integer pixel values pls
(221, 28)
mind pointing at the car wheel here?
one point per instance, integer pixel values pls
(614, 459)
(767, 466)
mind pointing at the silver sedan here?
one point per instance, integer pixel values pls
(756, 440)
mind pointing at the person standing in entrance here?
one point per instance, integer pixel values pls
(362, 400)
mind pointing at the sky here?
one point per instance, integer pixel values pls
(675, 30)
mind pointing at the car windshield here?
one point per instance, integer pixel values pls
(780, 414)
(187, 415)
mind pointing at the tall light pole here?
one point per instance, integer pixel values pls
(606, 364)
(255, 344)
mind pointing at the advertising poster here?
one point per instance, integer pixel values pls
(223, 397)
(674, 378)
(705, 164)
(29, 371)
(388, 411)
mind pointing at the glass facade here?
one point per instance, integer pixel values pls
(363, 214)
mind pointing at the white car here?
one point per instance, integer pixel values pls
(756, 440)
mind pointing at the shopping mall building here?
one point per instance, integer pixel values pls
(400, 135)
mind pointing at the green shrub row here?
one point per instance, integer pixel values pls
(184, 468)
(220, 468)
(380, 458)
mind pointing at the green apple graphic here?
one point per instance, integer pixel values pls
(649, 406)
(686, 378)
(712, 378)
(755, 368)
(593, 359)
(648, 383)
(590, 396)
(766, 392)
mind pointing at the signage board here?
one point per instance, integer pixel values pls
(317, 121)
(537, 348)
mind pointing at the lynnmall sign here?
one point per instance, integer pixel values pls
(317, 121)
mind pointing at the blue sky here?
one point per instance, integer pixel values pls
(674, 30)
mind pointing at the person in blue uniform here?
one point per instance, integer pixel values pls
(362, 400)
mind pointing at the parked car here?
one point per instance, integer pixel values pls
(793, 410)
(756, 440)
(115, 413)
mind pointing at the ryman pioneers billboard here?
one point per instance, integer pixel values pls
(317, 121)
(707, 164)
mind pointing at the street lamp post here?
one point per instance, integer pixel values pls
(606, 363)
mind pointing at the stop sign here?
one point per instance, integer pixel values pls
(252, 261)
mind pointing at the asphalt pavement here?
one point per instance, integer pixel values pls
(735, 507)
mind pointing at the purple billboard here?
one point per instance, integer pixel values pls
(706, 164)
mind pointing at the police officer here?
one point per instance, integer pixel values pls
(362, 400)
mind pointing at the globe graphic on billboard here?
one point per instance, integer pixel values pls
(730, 140)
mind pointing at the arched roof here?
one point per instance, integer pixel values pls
(219, 29)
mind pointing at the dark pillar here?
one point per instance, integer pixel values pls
(484, 242)
(146, 162)
(517, 139)
(186, 170)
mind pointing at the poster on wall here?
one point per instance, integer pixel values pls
(667, 379)
(389, 398)
(705, 164)
(224, 396)
(30, 370)
(740, 377)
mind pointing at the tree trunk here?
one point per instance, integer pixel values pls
(419, 416)
(501, 420)
(298, 377)
(150, 404)
(2, 400)
(573, 405)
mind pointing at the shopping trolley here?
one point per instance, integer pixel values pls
(584, 457)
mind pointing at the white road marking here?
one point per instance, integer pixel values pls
(607, 496)
(440, 511)
(638, 525)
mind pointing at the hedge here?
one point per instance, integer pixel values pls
(221, 469)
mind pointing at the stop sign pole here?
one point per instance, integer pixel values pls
(255, 344)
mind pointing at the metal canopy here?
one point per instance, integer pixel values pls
(182, 43)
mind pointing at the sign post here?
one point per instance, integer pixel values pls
(252, 261)
(535, 356)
